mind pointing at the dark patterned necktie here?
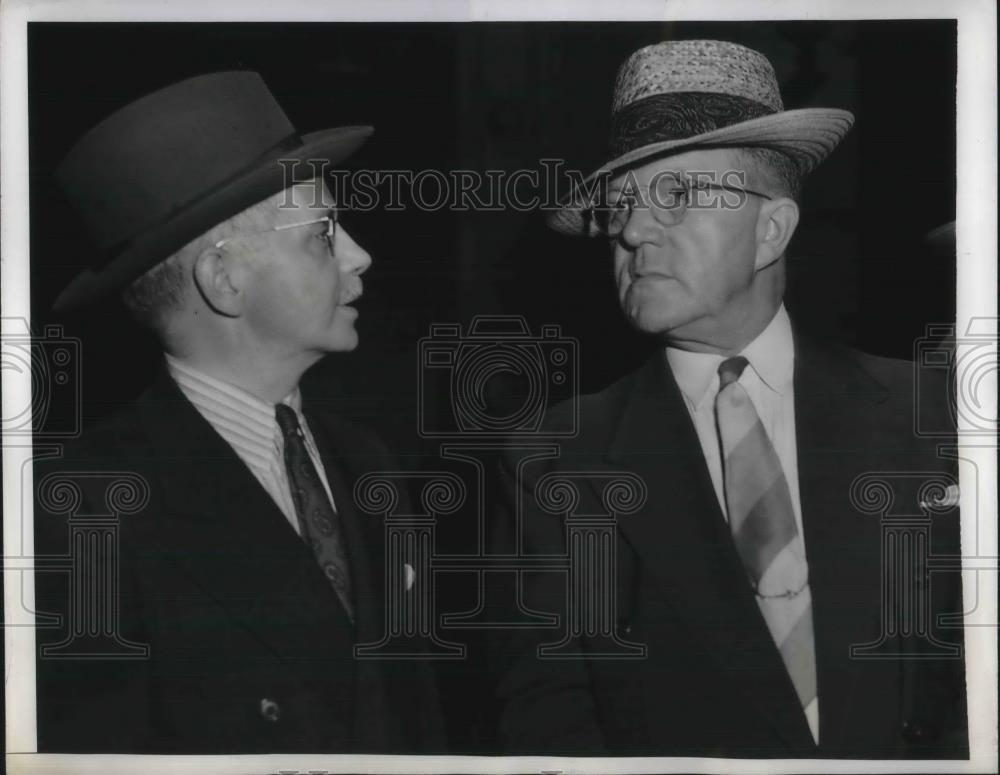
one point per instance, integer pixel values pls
(318, 522)
(763, 525)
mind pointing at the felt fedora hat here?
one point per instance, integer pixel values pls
(682, 95)
(168, 167)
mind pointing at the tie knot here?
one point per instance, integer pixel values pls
(287, 420)
(730, 370)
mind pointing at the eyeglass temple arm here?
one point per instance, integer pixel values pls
(284, 226)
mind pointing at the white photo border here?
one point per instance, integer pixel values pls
(976, 229)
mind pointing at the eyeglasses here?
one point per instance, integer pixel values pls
(328, 235)
(669, 200)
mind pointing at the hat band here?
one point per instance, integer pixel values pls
(664, 117)
(284, 145)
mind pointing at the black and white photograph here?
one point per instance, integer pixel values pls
(465, 390)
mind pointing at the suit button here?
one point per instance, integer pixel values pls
(270, 710)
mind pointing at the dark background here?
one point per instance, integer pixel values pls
(503, 96)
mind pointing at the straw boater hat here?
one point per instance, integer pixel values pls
(687, 94)
(168, 167)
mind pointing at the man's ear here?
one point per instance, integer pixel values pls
(775, 227)
(220, 290)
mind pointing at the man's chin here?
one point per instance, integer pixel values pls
(348, 344)
(343, 340)
(650, 322)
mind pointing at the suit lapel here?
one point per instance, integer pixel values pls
(833, 400)
(682, 538)
(222, 528)
(371, 718)
(341, 477)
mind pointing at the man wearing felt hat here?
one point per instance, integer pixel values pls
(248, 575)
(748, 575)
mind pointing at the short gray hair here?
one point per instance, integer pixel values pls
(152, 297)
(161, 290)
(776, 172)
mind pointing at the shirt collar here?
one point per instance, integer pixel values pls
(186, 374)
(770, 355)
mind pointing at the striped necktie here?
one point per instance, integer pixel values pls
(318, 522)
(763, 526)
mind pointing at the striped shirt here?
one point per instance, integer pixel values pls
(249, 426)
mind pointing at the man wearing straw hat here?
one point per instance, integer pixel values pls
(248, 574)
(747, 590)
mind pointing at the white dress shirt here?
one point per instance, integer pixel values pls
(249, 426)
(768, 381)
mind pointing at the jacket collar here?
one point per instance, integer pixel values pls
(219, 525)
(837, 405)
(682, 537)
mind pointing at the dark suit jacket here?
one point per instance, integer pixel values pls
(712, 682)
(250, 649)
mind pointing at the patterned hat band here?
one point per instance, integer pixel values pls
(675, 116)
(678, 95)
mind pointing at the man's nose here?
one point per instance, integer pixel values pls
(641, 227)
(352, 257)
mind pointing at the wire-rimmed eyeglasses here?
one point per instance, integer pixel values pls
(669, 199)
(328, 235)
